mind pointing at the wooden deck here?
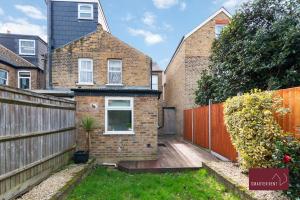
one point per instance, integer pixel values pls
(174, 155)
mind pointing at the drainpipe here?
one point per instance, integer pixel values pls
(209, 124)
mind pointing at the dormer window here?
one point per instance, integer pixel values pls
(114, 72)
(27, 47)
(85, 11)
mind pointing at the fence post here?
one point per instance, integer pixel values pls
(209, 124)
(192, 126)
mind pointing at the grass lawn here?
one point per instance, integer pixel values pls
(106, 184)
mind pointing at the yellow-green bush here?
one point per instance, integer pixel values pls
(249, 120)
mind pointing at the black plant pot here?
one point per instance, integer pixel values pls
(81, 157)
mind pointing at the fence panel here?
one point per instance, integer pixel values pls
(188, 125)
(220, 138)
(37, 136)
(291, 100)
(201, 129)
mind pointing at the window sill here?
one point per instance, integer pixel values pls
(90, 19)
(119, 133)
(85, 84)
(114, 85)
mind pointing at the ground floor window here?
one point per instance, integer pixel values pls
(3, 77)
(24, 79)
(119, 115)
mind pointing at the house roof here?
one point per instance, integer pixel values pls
(23, 36)
(196, 29)
(13, 59)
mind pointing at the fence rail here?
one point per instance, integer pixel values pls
(204, 126)
(37, 136)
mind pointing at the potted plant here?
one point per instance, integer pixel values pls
(82, 156)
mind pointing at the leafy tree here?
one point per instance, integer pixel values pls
(260, 48)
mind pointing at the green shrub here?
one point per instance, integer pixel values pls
(287, 155)
(249, 120)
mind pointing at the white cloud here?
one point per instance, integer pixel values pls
(149, 19)
(22, 26)
(233, 4)
(1, 11)
(163, 4)
(149, 37)
(30, 11)
(182, 6)
(128, 18)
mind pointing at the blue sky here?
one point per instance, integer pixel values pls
(152, 26)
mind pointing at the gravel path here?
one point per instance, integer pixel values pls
(230, 171)
(53, 184)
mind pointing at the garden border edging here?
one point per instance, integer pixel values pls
(229, 184)
(70, 185)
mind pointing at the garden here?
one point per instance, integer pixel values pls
(107, 183)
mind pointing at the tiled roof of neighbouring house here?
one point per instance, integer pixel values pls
(11, 58)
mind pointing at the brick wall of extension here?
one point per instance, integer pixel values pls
(113, 148)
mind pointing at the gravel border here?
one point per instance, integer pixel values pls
(240, 181)
(51, 188)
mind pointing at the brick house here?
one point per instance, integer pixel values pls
(15, 71)
(112, 83)
(31, 51)
(189, 60)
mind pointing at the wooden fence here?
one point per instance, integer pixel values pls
(291, 99)
(37, 136)
(204, 126)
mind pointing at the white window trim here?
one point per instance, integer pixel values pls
(157, 82)
(112, 84)
(7, 77)
(20, 49)
(80, 11)
(79, 70)
(119, 108)
(29, 79)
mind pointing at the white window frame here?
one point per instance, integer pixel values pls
(216, 26)
(115, 84)
(81, 11)
(79, 71)
(131, 99)
(29, 78)
(20, 49)
(154, 75)
(7, 75)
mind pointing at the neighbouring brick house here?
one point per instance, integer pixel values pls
(27, 58)
(15, 71)
(189, 60)
(112, 83)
